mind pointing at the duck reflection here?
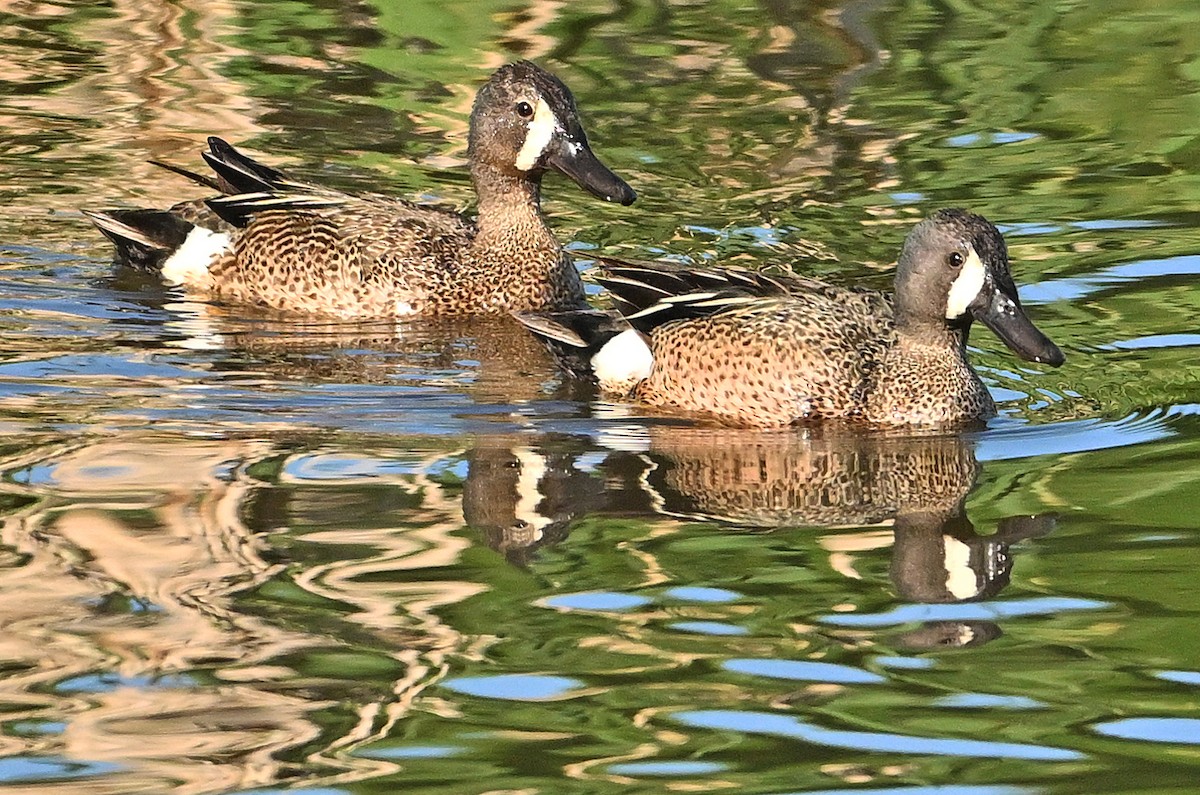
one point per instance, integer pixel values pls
(485, 357)
(828, 477)
(489, 359)
(523, 494)
(950, 562)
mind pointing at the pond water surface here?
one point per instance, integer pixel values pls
(243, 555)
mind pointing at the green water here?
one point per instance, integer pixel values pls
(241, 556)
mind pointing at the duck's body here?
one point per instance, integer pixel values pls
(754, 350)
(822, 353)
(377, 256)
(293, 246)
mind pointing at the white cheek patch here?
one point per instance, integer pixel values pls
(966, 286)
(541, 129)
(189, 264)
(961, 581)
(529, 497)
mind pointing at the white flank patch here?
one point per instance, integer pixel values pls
(189, 264)
(537, 137)
(965, 287)
(622, 438)
(961, 581)
(194, 324)
(529, 497)
(623, 361)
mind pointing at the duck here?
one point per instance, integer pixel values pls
(748, 348)
(275, 242)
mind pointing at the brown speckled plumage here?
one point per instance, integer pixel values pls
(300, 247)
(747, 349)
(824, 476)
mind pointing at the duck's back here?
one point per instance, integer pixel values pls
(368, 256)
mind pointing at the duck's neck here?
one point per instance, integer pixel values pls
(521, 264)
(510, 208)
(912, 331)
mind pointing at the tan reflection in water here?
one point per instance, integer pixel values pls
(839, 478)
(203, 702)
(522, 495)
(813, 476)
(164, 82)
(154, 89)
(492, 359)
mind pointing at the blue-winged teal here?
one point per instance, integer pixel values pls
(292, 246)
(752, 349)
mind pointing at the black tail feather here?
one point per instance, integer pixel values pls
(650, 294)
(199, 179)
(145, 239)
(235, 172)
(574, 336)
(240, 173)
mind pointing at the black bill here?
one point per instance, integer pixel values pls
(1000, 310)
(575, 159)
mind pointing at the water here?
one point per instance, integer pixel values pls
(240, 556)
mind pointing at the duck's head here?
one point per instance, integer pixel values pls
(525, 122)
(954, 268)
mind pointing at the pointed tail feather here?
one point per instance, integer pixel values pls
(235, 172)
(574, 336)
(549, 329)
(199, 179)
(240, 173)
(650, 294)
(145, 239)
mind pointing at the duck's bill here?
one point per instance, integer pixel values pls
(575, 159)
(1004, 316)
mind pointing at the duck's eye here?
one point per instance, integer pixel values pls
(524, 110)
(955, 259)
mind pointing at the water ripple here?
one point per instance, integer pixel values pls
(601, 601)
(684, 768)
(515, 687)
(804, 670)
(1074, 288)
(777, 725)
(970, 611)
(708, 628)
(1153, 341)
(695, 593)
(1011, 441)
(987, 701)
(946, 789)
(1184, 731)
(1180, 677)
(49, 768)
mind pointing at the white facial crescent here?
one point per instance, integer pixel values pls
(966, 286)
(541, 129)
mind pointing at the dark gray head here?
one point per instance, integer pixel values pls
(954, 268)
(525, 121)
